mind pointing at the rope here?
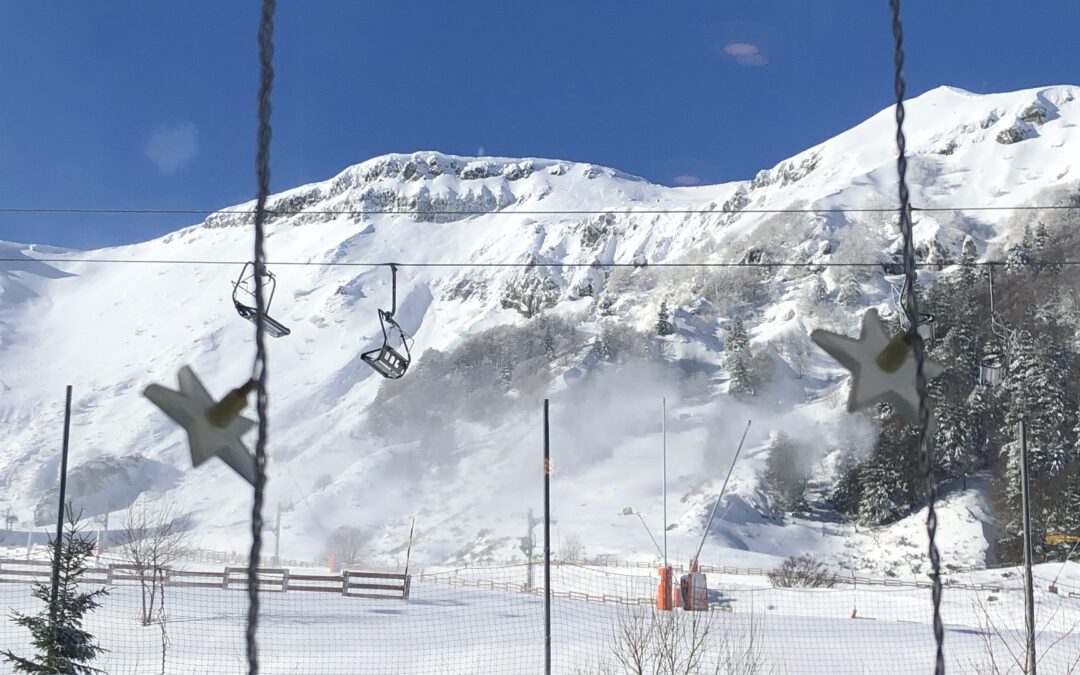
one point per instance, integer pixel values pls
(259, 370)
(912, 310)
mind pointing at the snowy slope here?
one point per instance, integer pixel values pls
(112, 329)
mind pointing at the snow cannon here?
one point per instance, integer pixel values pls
(694, 590)
(663, 590)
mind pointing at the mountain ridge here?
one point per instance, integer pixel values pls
(149, 319)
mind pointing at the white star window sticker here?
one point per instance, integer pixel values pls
(213, 429)
(882, 370)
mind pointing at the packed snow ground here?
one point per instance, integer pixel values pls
(448, 629)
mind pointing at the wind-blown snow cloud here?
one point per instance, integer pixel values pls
(686, 179)
(171, 147)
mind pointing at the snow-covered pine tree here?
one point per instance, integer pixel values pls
(1018, 255)
(987, 417)
(1040, 238)
(737, 337)
(847, 490)
(954, 440)
(786, 474)
(736, 360)
(1038, 393)
(63, 647)
(739, 383)
(815, 294)
(850, 294)
(891, 479)
(663, 320)
(881, 493)
(969, 252)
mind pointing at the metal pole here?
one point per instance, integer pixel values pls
(547, 542)
(57, 543)
(663, 427)
(642, 518)
(277, 536)
(723, 488)
(1029, 589)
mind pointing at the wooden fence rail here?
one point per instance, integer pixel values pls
(375, 585)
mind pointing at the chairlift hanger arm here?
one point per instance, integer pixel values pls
(393, 289)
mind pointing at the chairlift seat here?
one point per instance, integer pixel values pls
(387, 361)
(992, 370)
(272, 327)
(244, 287)
(927, 328)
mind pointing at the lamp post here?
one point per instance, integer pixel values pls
(663, 591)
(629, 511)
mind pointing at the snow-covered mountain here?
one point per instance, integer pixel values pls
(467, 463)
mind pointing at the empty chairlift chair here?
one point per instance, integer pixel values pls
(992, 370)
(386, 360)
(244, 293)
(927, 329)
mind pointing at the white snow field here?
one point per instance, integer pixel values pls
(111, 329)
(449, 628)
(350, 449)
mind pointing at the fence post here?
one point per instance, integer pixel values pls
(284, 580)
(408, 585)
(225, 578)
(345, 582)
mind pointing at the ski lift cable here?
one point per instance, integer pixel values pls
(530, 212)
(679, 265)
(915, 339)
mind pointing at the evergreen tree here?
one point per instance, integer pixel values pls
(969, 252)
(1039, 394)
(954, 440)
(786, 474)
(850, 295)
(736, 360)
(847, 491)
(737, 337)
(815, 294)
(663, 321)
(1018, 254)
(505, 364)
(1040, 238)
(739, 383)
(882, 497)
(548, 339)
(891, 479)
(63, 647)
(987, 417)
(601, 348)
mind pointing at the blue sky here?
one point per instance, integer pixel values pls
(152, 104)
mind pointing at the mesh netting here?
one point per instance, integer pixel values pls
(490, 619)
